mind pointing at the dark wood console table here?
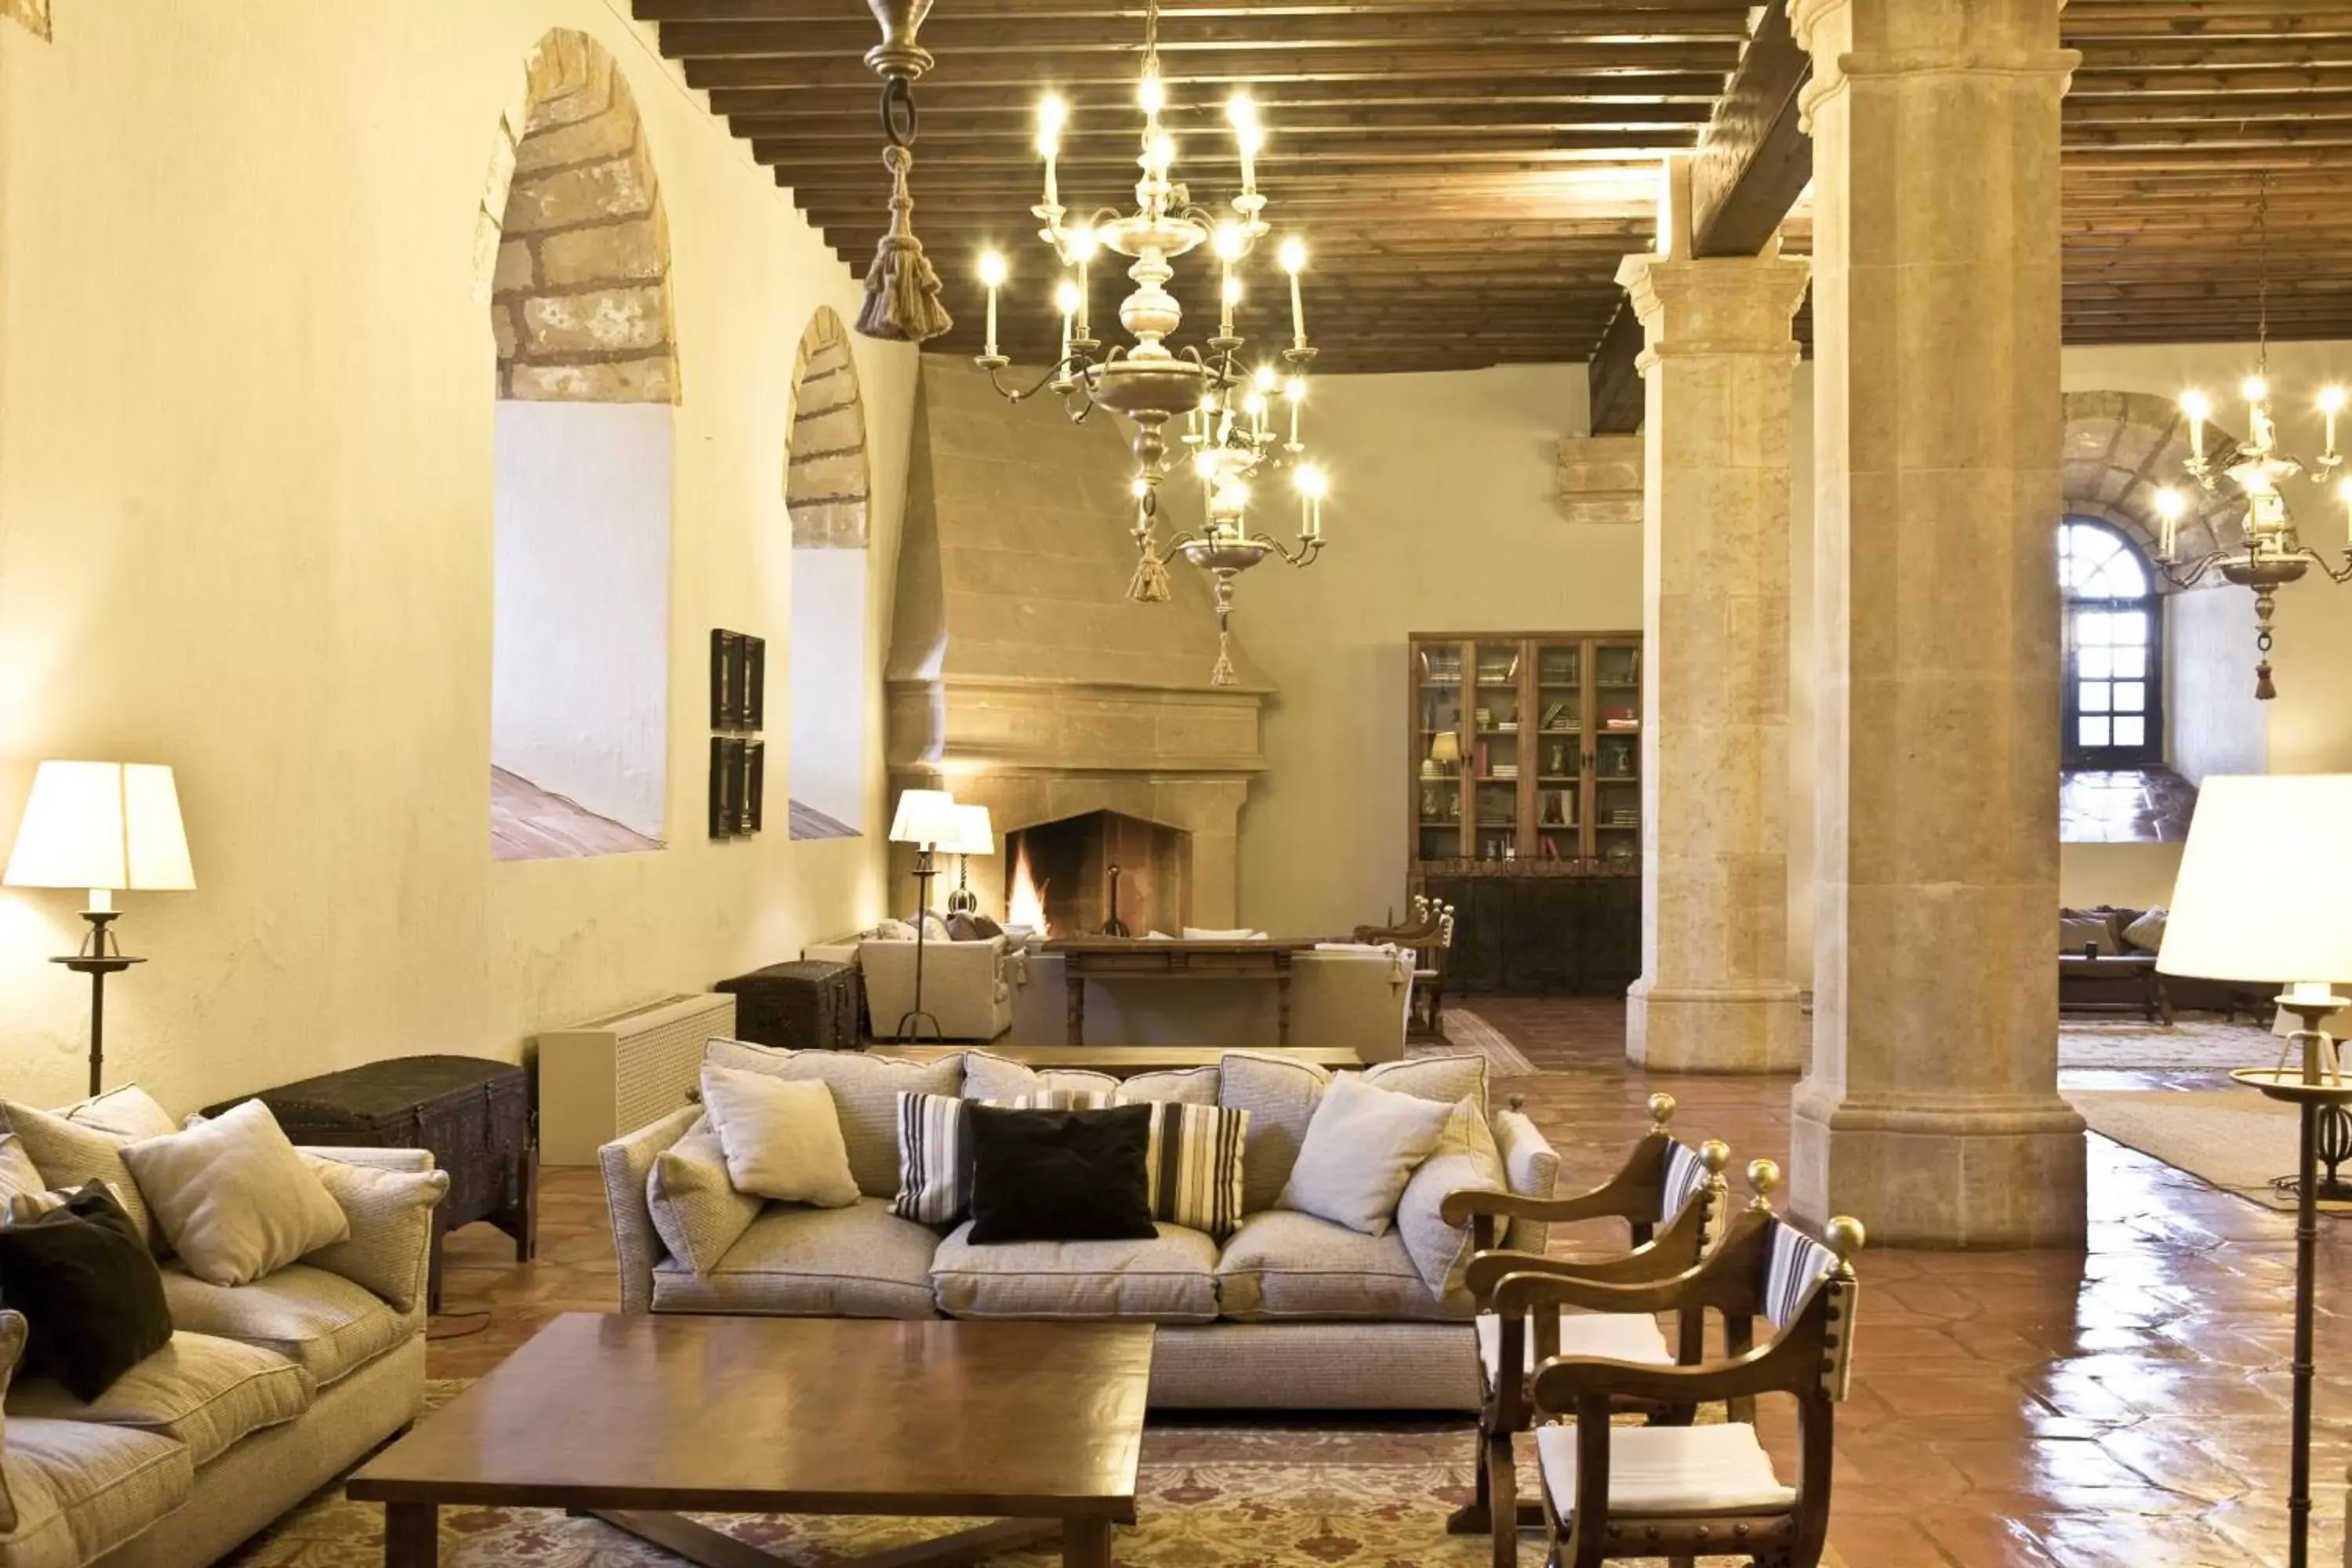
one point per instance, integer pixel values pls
(1086, 958)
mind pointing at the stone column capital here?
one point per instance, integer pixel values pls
(1724, 305)
(1850, 39)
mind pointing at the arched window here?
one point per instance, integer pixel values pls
(2113, 630)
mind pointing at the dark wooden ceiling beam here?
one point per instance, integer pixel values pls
(946, 101)
(1037, 73)
(1465, 120)
(1185, 13)
(1754, 162)
(1434, 155)
(1612, 384)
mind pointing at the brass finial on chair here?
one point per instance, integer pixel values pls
(1662, 1111)
(1763, 1176)
(1716, 1155)
(1845, 1238)
(1515, 1102)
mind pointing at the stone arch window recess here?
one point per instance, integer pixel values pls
(826, 482)
(573, 261)
(2120, 449)
(2113, 701)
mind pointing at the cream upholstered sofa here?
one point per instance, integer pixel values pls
(965, 984)
(266, 1392)
(1289, 1312)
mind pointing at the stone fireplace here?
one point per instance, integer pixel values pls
(1068, 869)
(1022, 678)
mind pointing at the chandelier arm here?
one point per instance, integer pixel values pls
(2334, 573)
(2192, 574)
(1309, 549)
(1022, 394)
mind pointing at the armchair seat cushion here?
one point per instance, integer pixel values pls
(321, 1323)
(1283, 1264)
(862, 1261)
(1605, 1336)
(1670, 1471)
(1167, 1278)
(201, 1391)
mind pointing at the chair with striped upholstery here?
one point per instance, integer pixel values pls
(1682, 1492)
(1671, 1197)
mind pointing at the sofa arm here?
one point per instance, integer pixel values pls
(409, 1160)
(626, 1163)
(1531, 1167)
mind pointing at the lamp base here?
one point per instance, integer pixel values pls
(100, 957)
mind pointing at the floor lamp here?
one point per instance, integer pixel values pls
(974, 835)
(926, 820)
(106, 828)
(2260, 899)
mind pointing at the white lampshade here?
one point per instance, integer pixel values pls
(2261, 895)
(101, 825)
(924, 816)
(974, 834)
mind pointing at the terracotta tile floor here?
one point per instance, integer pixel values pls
(2122, 1408)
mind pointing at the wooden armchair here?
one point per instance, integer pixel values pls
(1428, 936)
(1682, 1492)
(1671, 1197)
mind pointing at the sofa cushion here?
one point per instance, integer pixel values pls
(234, 1197)
(1531, 1169)
(1282, 1264)
(2145, 933)
(68, 1154)
(1610, 1336)
(1281, 1096)
(323, 1324)
(391, 1216)
(198, 1389)
(88, 1285)
(82, 1488)
(1167, 1278)
(1455, 1076)
(1362, 1147)
(1670, 1470)
(987, 1077)
(2078, 928)
(782, 1138)
(127, 1113)
(865, 1092)
(695, 1208)
(862, 1261)
(1177, 1086)
(1466, 1160)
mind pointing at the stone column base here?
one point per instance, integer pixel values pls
(1754, 1026)
(1931, 1174)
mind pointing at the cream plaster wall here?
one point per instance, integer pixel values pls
(246, 436)
(1444, 516)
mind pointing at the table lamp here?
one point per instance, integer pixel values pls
(974, 835)
(103, 827)
(926, 818)
(2260, 899)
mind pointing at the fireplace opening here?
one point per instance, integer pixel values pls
(1059, 875)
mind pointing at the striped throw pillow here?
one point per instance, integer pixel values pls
(1193, 1163)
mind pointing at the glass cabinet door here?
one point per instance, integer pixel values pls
(1439, 674)
(1616, 752)
(1496, 755)
(1558, 744)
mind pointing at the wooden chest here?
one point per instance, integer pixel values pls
(811, 1004)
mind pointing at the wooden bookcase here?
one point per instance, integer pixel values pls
(1525, 747)
(1524, 771)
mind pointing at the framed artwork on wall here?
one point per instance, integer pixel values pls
(754, 685)
(755, 780)
(739, 702)
(726, 680)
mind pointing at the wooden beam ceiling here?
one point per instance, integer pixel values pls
(1467, 174)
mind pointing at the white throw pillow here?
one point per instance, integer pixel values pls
(694, 1206)
(1361, 1147)
(1466, 1160)
(782, 1138)
(234, 1197)
(390, 1214)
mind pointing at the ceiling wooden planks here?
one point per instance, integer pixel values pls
(1468, 173)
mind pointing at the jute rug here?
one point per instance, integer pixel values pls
(2194, 1045)
(1465, 1031)
(2233, 1138)
(1212, 1497)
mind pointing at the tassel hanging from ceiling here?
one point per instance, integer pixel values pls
(902, 289)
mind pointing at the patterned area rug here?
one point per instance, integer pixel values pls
(1212, 1497)
(1465, 1031)
(2192, 1044)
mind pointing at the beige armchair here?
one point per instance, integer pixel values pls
(964, 985)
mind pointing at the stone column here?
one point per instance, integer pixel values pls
(1715, 996)
(1931, 1111)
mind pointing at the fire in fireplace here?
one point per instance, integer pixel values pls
(1061, 875)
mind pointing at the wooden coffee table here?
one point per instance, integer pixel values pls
(636, 1419)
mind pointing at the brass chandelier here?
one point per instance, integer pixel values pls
(1237, 421)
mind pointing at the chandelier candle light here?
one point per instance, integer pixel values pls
(2274, 553)
(1227, 409)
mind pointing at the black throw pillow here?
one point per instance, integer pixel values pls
(89, 1290)
(1060, 1175)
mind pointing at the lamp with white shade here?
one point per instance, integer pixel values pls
(106, 828)
(926, 818)
(974, 835)
(2260, 899)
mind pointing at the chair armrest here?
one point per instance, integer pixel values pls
(1534, 1286)
(625, 1163)
(1642, 1266)
(409, 1160)
(1601, 1203)
(1563, 1380)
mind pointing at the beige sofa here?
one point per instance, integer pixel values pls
(965, 984)
(1290, 1313)
(267, 1392)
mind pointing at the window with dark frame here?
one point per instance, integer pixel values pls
(2112, 702)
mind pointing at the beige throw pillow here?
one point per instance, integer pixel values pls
(1362, 1147)
(234, 1197)
(127, 1113)
(782, 1138)
(1467, 1159)
(389, 1215)
(695, 1208)
(70, 1155)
